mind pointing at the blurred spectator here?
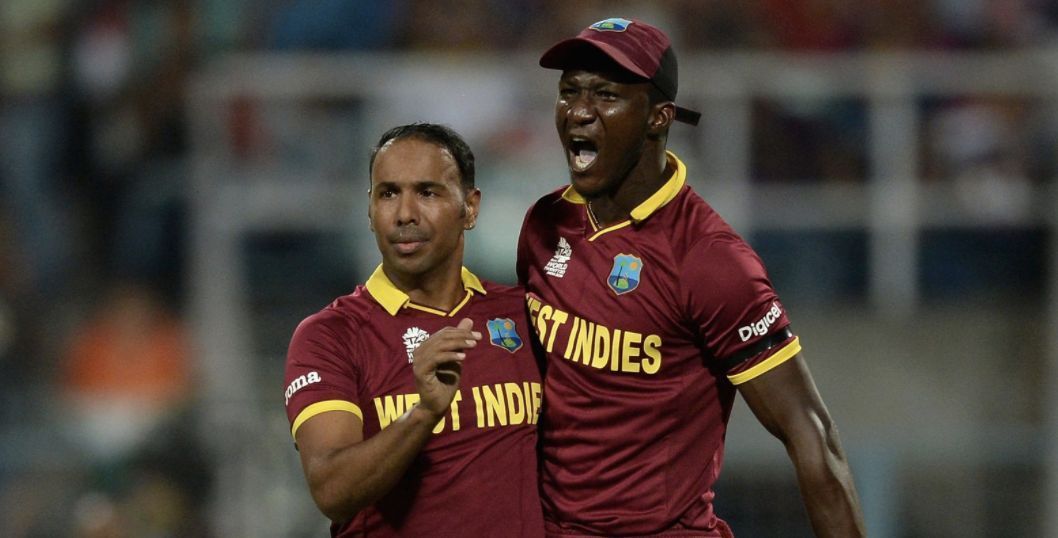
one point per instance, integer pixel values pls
(719, 24)
(994, 24)
(331, 25)
(812, 25)
(126, 370)
(454, 25)
(810, 140)
(162, 491)
(33, 137)
(131, 62)
(977, 144)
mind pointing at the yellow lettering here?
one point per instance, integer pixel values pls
(515, 403)
(535, 391)
(557, 319)
(534, 305)
(477, 407)
(389, 409)
(568, 354)
(582, 350)
(601, 352)
(529, 403)
(541, 322)
(630, 350)
(651, 346)
(588, 343)
(496, 408)
(455, 410)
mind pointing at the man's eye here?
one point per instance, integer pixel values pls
(387, 194)
(606, 95)
(428, 193)
(566, 93)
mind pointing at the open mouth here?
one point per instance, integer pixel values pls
(582, 154)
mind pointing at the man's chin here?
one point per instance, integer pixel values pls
(586, 185)
(407, 265)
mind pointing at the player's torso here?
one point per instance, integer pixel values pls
(482, 453)
(609, 308)
(625, 371)
(499, 387)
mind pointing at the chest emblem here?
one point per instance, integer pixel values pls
(625, 275)
(556, 267)
(412, 338)
(503, 333)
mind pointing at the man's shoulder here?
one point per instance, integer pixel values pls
(689, 216)
(496, 289)
(501, 297)
(551, 202)
(344, 311)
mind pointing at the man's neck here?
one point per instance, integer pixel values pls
(643, 181)
(441, 288)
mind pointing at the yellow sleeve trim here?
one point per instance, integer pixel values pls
(781, 356)
(323, 407)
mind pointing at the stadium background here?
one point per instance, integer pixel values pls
(182, 181)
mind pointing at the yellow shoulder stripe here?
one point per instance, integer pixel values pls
(323, 407)
(781, 356)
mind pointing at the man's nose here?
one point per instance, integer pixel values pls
(407, 210)
(581, 110)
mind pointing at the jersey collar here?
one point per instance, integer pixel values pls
(392, 299)
(656, 201)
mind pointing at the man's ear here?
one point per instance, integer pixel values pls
(662, 114)
(370, 213)
(471, 206)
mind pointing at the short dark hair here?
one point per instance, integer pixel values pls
(440, 135)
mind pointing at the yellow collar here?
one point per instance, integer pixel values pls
(392, 299)
(656, 201)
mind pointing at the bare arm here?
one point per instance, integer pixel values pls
(787, 404)
(344, 471)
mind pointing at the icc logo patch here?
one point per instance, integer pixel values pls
(503, 333)
(624, 277)
(611, 25)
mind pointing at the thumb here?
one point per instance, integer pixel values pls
(465, 323)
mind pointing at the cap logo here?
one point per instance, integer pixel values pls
(611, 25)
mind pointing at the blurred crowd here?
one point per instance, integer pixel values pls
(93, 172)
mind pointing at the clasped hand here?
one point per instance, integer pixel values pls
(438, 365)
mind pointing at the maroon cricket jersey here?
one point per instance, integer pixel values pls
(477, 476)
(648, 325)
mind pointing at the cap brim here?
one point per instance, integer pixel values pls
(570, 54)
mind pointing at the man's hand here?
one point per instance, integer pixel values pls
(438, 363)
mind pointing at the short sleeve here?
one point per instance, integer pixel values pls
(321, 373)
(742, 323)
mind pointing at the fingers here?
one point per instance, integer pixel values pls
(446, 345)
(449, 372)
(437, 364)
(459, 337)
(465, 324)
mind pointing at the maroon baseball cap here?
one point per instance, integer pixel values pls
(635, 46)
